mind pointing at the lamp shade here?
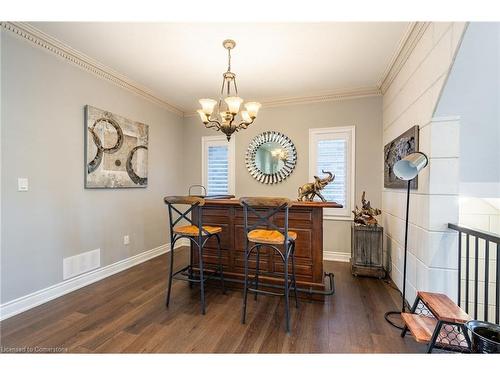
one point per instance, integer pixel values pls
(203, 116)
(246, 117)
(252, 108)
(233, 103)
(208, 105)
(410, 166)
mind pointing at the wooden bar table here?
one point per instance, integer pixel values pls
(305, 218)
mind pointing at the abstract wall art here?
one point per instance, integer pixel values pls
(396, 150)
(116, 150)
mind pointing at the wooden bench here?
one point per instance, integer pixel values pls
(437, 321)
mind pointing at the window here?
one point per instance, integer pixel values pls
(332, 149)
(218, 165)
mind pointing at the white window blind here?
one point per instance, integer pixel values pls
(218, 161)
(217, 170)
(332, 149)
(332, 156)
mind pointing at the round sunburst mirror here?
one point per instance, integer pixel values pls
(271, 157)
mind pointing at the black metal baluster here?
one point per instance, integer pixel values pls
(467, 274)
(497, 313)
(476, 273)
(459, 267)
(488, 238)
(486, 277)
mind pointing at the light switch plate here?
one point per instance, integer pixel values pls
(126, 240)
(22, 184)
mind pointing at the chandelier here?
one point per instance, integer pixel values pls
(224, 119)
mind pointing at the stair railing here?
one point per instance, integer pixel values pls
(472, 244)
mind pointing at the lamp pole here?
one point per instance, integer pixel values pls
(406, 244)
(407, 169)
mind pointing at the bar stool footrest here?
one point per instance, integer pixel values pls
(269, 293)
(185, 275)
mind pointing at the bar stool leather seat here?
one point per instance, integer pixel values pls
(271, 237)
(192, 230)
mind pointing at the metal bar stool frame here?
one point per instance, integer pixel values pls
(199, 241)
(289, 247)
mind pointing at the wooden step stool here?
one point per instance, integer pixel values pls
(438, 321)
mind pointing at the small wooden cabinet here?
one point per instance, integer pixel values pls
(367, 257)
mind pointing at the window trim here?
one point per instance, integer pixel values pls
(337, 213)
(217, 140)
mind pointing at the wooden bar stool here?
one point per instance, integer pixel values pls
(260, 236)
(198, 234)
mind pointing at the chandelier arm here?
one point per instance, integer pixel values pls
(243, 125)
(213, 124)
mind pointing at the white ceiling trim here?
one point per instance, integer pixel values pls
(323, 97)
(85, 62)
(404, 50)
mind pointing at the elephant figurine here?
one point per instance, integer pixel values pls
(311, 189)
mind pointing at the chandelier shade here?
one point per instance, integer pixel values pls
(208, 105)
(252, 108)
(222, 115)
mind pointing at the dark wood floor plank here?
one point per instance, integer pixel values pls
(126, 313)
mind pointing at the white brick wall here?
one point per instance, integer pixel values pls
(411, 100)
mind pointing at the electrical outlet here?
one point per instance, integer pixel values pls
(126, 239)
(22, 184)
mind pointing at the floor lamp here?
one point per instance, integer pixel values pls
(407, 169)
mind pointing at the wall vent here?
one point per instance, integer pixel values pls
(81, 263)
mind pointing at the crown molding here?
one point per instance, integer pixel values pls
(326, 96)
(51, 44)
(404, 49)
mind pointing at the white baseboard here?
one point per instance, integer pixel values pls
(336, 256)
(39, 297)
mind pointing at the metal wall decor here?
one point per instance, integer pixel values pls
(396, 150)
(271, 157)
(116, 150)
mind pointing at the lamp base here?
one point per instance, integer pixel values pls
(388, 314)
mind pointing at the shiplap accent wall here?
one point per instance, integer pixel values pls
(482, 214)
(411, 100)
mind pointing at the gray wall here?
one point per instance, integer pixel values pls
(473, 93)
(42, 131)
(294, 121)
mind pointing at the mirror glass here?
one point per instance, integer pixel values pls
(271, 157)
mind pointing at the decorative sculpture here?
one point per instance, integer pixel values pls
(311, 189)
(365, 216)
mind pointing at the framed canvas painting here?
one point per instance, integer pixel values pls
(395, 150)
(116, 151)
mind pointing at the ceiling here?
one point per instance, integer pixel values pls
(182, 62)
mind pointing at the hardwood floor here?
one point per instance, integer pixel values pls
(126, 313)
